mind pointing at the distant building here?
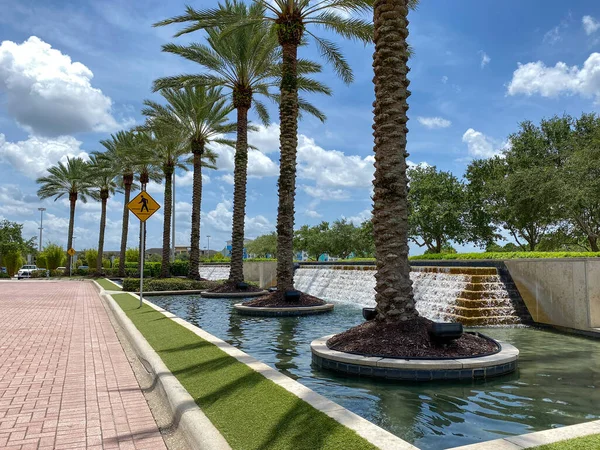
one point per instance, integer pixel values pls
(227, 250)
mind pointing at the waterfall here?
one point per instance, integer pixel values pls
(470, 295)
(217, 272)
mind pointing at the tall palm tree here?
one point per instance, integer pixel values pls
(291, 20)
(70, 179)
(120, 149)
(166, 150)
(245, 63)
(199, 115)
(103, 183)
(394, 293)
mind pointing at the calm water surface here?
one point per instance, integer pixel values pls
(557, 383)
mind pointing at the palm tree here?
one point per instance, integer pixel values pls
(120, 149)
(245, 62)
(70, 179)
(394, 293)
(199, 115)
(166, 150)
(103, 184)
(290, 20)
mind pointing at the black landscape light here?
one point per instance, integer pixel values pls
(292, 296)
(444, 333)
(242, 286)
(369, 313)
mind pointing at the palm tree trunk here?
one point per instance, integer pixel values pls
(125, 228)
(166, 250)
(593, 240)
(236, 271)
(101, 235)
(72, 201)
(394, 293)
(194, 265)
(288, 143)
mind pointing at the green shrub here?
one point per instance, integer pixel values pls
(51, 257)
(106, 263)
(13, 261)
(179, 268)
(82, 272)
(91, 258)
(132, 255)
(165, 284)
(4, 275)
(505, 255)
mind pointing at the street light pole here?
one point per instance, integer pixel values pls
(208, 246)
(41, 210)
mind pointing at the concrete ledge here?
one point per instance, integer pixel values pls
(159, 293)
(414, 369)
(282, 312)
(375, 435)
(197, 428)
(536, 439)
(206, 294)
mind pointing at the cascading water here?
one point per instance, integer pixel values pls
(471, 295)
(220, 272)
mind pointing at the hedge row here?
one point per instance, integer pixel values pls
(166, 284)
(505, 255)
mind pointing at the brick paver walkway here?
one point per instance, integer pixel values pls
(65, 381)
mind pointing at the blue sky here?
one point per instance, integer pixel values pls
(72, 72)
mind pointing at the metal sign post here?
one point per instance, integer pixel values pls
(71, 252)
(143, 206)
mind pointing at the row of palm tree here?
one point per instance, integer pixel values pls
(248, 51)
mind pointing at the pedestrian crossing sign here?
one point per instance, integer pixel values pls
(143, 206)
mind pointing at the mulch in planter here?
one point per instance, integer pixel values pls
(277, 300)
(406, 340)
(230, 287)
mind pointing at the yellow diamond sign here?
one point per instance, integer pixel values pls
(143, 206)
(71, 252)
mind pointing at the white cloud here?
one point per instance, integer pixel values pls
(479, 145)
(259, 164)
(360, 217)
(221, 217)
(537, 78)
(265, 139)
(434, 122)
(485, 59)
(33, 156)
(227, 178)
(15, 203)
(553, 36)
(313, 214)
(444, 79)
(50, 95)
(590, 25)
(326, 194)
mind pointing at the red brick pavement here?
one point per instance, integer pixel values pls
(65, 382)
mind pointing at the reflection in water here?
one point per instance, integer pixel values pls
(557, 382)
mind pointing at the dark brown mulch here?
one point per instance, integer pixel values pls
(276, 300)
(405, 340)
(231, 287)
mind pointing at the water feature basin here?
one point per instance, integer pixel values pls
(557, 382)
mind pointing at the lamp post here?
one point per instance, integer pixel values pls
(208, 245)
(41, 210)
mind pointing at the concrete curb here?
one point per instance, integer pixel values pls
(207, 294)
(536, 439)
(197, 428)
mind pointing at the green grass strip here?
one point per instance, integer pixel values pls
(107, 285)
(250, 411)
(591, 442)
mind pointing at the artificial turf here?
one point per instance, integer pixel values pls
(250, 411)
(591, 442)
(107, 285)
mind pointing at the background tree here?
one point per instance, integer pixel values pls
(52, 256)
(199, 115)
(72, 180)
(437, 206)
(103, 184)
(314, 240)
(13, 246)
(291, 21)
(263, 246)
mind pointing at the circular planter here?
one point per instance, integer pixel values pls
(282, 311)
(501, 363)
(207, 294)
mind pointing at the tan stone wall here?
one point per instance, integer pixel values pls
(564, 292)
(262, 272)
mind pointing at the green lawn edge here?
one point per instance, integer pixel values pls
(591, 442)
(107, 285)
(250, 411)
